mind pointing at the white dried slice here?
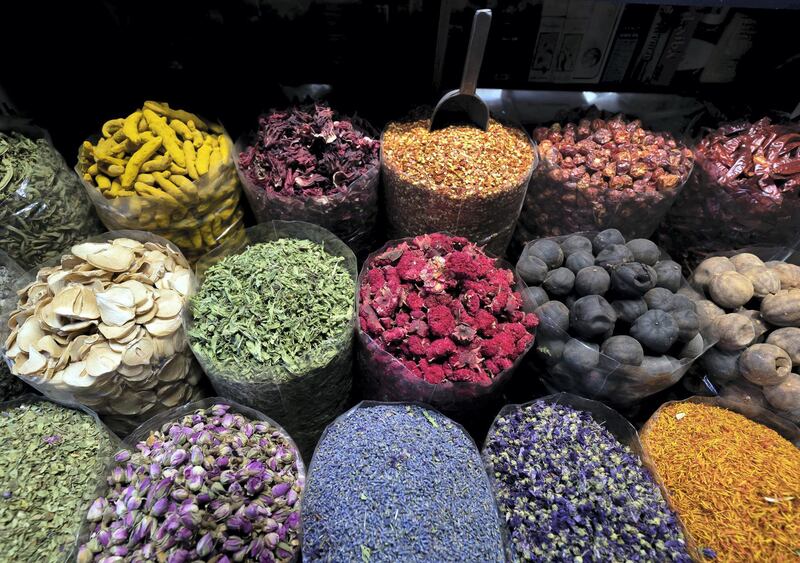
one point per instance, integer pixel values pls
(36, 292)
(117, 347)
(177, 257)
(62, 340)
(18, 317)
(165, 347)
(83, 344)
(128, 404)
(181, 281)
(170, 304)
(29, 334)
(145, 318)
(56, 281)
(136, 276)
(128, 243)
(33, 364)
(75, 375)
(137, 333)
(64, 303)
(116, 305)
(174, 370)
(141, 292)
(163, 327)
(145, 307)
(86, 306)
(112, 259)
(140, 353)
(49, 318)
(83, 250)
(116, 332)
(44, 273)
(13, 351)
(101, 359)
(87, 277)
(48, 346)
(37, 309)
(132, 373)
(77, 326)
(65, 356)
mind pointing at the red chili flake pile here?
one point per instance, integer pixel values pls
(598, 174)
(306, 152)
(441, 306)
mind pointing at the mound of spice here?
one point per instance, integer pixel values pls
(568, 489)
(734, 482)
(746, 190)
(598, 174)
(213, 485)
(445, 309)
(43, 209)
(49, 461)
(274, 324)
(460, 179)
(398, 483)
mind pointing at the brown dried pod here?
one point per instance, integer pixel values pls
(788, 273)
(759, 326)
(708, 268)
(765, 281)
(789, 339)
(707, 310)
(730, 289)
(786, 395)
(745, 261)
(782, 308)
(765, 364)
(733, 331)
(722, 366)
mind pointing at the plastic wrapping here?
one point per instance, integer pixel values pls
(130, 393)
(10, 272)
(351, 215)
(383, 377)
(144, 431)
(314, 513)
(42, 208)
(86, 496)
(617, 425)
(304, 404)
(414, 209)
(211, 216)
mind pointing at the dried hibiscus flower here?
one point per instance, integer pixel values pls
(444, 309)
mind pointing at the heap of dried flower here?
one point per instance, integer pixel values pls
(212, 485)
(445, 309)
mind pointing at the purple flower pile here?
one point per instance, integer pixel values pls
(213, 486)
(569, 491)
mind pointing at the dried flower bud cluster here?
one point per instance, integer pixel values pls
(443, 307)
(597, 174)
(104, 328)
(212, 486)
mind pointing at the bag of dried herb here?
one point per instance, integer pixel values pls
(11, 387)
(460, 179)
(571, 481)
(43, 210)
(604, 174)
(733, 474)
(49, 462)
(309, 164)
(440, 322)
(102, 326)
(398, 482)
(211, 481)
(166, 171)
(272, 324)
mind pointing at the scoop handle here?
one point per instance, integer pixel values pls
(477, 45)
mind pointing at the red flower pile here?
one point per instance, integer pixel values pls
(442, 307)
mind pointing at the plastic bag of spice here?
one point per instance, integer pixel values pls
(557, 434)
(308, 164)
(441, 322)
(459, 180)
(252, 464)
(166, 171)
(601, 174)
(10, 386)
(744, 191)
(42, 207)
(49, 463)
(272, 324)
(368, 468)
(101, 326)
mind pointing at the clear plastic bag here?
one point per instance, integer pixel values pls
(351, 214)
(486, 219)
(208, 214)
(10, 386)
(383, 377)
(303, 403)
(76, 498)
(164, 419)
(130, 393)
(318, 519)
(42, 208)
(612, 421)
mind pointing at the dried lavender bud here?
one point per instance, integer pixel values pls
(392, 482)
(568, 489)
(213, 484)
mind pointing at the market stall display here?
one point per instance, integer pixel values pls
(753, 310)
(102, 327)
(272, 324)
(211, 480)
(560, 466)
(601, 174)
(49, 461)
(166, 171)
(461, 180)
(398, 482)
(309, 164)
(440, 322)
(733, 474)
(43, 209)
(616, 320)
(745, 190)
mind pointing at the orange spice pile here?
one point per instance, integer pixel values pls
(735, 483)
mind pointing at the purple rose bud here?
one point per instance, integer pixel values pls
(184, 534)
(254, 468)
(248, 429)
(233, 543)
(227, 477)
(119, 550)
(142, 486)
(222, 462)
(195, 483)
(148, 551)
(253, 485)
(291, 497)
(160, 507)
(251, 512)
(293, 521)
(130, 519)
(141, 531)
(284, 553)
(179, 494)
(196, 455)
(130, 473)
(122, 456)
(84, 555)
(95, 513)
(271, 540)
(118, 536)
(204, 438)
(172, 522)
(235, 489)
(223, 559)
(104, 538)
(280, 489)
(155, 471)
(178, 457)
(219, 409)
(178, 556)
(227, 420)
(117, 475)
(270, 525)
(222, 512)
(204, 498)
(133, 503)
(205, 545)
(273, 464)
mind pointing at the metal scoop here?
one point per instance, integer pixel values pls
(463, 106)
